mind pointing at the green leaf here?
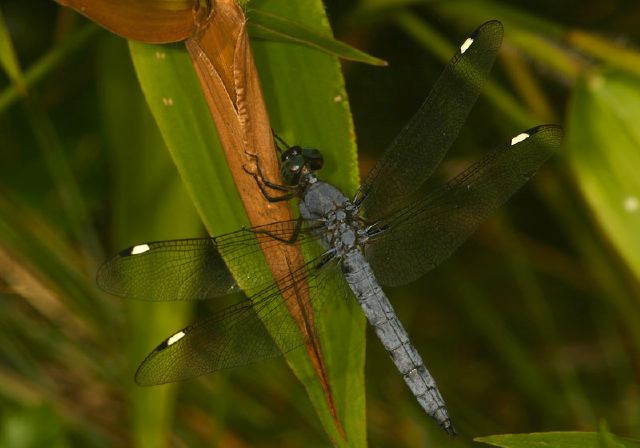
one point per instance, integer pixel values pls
(173, 94)
(322, 119)
(602, 149)
(265, 25)
(306, 96)
(556, 440)
(308, 105)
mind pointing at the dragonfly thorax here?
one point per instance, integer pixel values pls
(344, 231)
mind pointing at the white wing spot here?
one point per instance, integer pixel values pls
(161, 55)
(519, 138)
(465, 46)
(142, 248)
(337, 98)
(175, 338)
(631, 204)
(167, 101)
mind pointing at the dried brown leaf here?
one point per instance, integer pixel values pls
(151, 21)
(224, 63)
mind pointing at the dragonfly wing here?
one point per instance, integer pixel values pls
(420, 147)
(258, 328)
(196, 268)
(422, 235)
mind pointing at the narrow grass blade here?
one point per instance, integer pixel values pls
(41, 68)
(8, 58)
(264, 25)
(558, 440)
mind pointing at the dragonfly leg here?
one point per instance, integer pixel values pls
(292, 239)
(276, 186)
(375, 229)
(268, 196)
(260, 177)
(263, 183)
(358, 198)
(326, 258)
(278, 140)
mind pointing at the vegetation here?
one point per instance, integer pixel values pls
(532, 327)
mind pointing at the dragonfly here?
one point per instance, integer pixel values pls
(390, 233)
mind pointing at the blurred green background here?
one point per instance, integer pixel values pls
(532, 326)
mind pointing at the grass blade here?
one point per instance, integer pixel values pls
(264, 25)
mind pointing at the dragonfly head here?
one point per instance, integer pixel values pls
(297, 161)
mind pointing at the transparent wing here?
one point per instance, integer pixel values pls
(192, 269)
(258, 328)
(422, 235)
(420, 147)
